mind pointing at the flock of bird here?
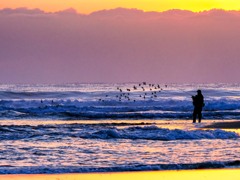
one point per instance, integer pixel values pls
(141, 90)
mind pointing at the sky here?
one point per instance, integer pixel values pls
(93, 42)
(89, 6)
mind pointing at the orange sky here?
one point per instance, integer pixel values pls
(89, 6)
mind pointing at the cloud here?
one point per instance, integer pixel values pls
(118, 12)
(69, 11)
(119, 45)
(22, 10)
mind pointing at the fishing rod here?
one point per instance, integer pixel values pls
(185, 92)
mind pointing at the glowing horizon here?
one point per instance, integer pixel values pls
(90, 6)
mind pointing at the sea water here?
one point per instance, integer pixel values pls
(115, 127)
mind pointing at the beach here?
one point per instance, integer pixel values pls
(101, 147)
(119, 90)
(220, 174)
(199, 174)
(75, 130)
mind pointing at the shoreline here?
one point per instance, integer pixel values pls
(206, 174)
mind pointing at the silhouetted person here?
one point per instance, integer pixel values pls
(198, 103)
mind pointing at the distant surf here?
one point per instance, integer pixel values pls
(104, 101)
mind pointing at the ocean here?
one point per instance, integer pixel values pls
(74, 128)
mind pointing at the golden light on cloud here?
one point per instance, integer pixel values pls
(87, 7)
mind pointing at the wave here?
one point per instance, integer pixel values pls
(108, 131)
(162, 134)
(138, 167)
(77, 109)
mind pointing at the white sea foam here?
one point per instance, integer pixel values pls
(102, 101)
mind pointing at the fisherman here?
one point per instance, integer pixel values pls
(198, 103)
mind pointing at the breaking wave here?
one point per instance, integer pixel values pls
(108, 131)
(138, 167)
(102, 101)
(156, 133)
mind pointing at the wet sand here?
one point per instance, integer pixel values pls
(225, 125)
(220, 174)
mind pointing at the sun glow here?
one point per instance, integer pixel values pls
(87, 7)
